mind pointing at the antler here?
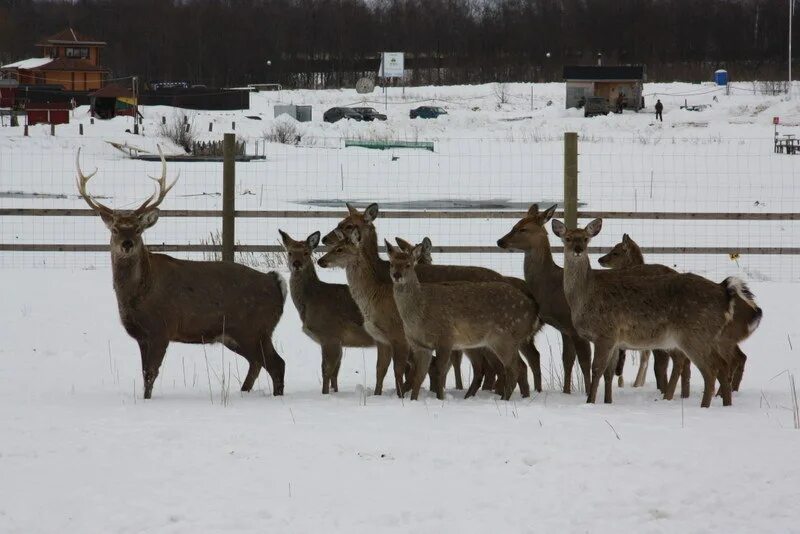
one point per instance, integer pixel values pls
(154, 201)
(82, 181)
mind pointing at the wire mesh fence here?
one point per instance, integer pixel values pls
(490, 181)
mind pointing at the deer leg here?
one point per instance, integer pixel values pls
(252, 373)
(442, 367)
(489, 373)
(620, 368)
(709, 381)
(508, 355)
(608, 377)
(661, 362)
(400, 356)
(584, 352)
(382, 367)
(456, 357)
(152, 352)
(274, 365)
(528, 349)
(335, 375)
(678, 361)
(568, 360)
(423, 359)
(686, 377)
(331, 355)
(522, 378)
(477, 360)
(602, 355)
(641, 375)
(738, 368)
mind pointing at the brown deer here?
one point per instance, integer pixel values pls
(427, 259)
(545, 281)
(627, 255)
(672, 311)
(330, 316)
(163, 299)
(483, 369)
(371, 287)
(427, 273)
(461, 316)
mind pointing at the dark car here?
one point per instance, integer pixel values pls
(369, 114)
(337, 114)
(427, 112)
(596, 105)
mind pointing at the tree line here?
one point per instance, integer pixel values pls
(331, 43)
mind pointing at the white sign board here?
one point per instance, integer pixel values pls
(392, 65)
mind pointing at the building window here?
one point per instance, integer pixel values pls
(82, 53)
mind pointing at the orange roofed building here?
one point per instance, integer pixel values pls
(69, 59)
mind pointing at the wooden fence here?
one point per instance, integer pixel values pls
(229, 215)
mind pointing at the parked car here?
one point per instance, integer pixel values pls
(337, 114)
(369, 114)
(427, 112)
(595, 105)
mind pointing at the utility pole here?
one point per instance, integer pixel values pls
(791, 16)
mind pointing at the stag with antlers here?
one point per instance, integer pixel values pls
(163, 299)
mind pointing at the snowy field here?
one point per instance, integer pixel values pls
(80, 451)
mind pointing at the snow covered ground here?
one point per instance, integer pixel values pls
(80, 451)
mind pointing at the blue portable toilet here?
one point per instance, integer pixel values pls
(721, 77)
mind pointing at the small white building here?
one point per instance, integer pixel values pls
(606, 81)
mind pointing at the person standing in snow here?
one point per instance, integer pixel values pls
(659, 110)
(620, 102)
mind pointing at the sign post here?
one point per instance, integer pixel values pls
(392, 66)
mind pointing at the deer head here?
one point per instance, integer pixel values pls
(577, 241)
(343, 249)
(402, 262)
(425, 257)
(529, 229)
(354, 219)
(624, 254)
(127, 226)
(299, 253)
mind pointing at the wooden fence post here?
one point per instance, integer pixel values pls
(228, 195)
(52, 129)
(80, 128)
(26, 131)
(571, 179)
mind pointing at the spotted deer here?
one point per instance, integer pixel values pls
(672, 311)
(163, 299)
(427, 259)
(545, 281)
(628, 255)
(371, 287)
(329, 315)
(442, 317)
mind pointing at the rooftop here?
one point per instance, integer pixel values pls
(590, 72)
(71, 37)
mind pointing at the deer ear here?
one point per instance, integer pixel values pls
(371, 213)
(548, 214)
(559, 228)
(403, 244)
(389, 248)
(148, 219)
(313, 240)
(593, 228)
(426, 245)
(626, 241)
(350, 209)
(533, 211)
(285, 238)
(416, 253)
(355, 236)
(108, 219)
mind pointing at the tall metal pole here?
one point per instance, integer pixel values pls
(791, 16)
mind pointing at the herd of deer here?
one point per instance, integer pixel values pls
(410, 309)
